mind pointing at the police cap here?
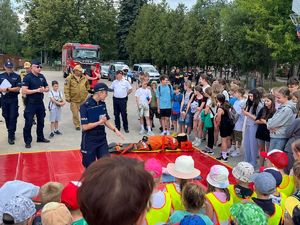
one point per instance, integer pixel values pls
(100, 87)
(8, 64)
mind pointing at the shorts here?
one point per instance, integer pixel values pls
(188, 120)
(237, 136)
(226, 131)
(144, 111)
(55, 114)
(165, 113)
(152, 112)
(266, 144)
(175, 117)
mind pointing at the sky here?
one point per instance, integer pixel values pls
(173, 3)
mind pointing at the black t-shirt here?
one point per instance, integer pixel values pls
(262, 132)
(242, 192)
(266, 204)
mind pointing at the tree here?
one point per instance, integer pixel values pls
(9, 29)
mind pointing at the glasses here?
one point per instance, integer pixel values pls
(39, 67)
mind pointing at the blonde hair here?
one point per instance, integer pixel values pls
(51, 192)
(193, 197)
(188, 84)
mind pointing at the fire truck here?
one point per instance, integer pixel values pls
(84, 54)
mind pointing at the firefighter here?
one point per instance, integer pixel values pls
(10, 104)
(76, 92)
(34, 86)
(94, 118)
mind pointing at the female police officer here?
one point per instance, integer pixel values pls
(94, 118)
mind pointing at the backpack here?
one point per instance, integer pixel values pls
(51, 103)
(170, 88)
(233, 116)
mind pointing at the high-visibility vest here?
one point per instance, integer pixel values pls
(235, 197)
(175, 197)
(160, 215)
(222, 209)
(277, 216)
(287, 185)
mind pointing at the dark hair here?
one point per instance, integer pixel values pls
(296, 94)
(163, 77)
(224, 104)
(114, 191)
(293, 81)
(176, 86)
(182, 183)
(193, 197)
(253, 103)
(211, 188)
(296, 145)
(204, 77)
(241, 91)
(54, 82)
(222, 81)
(268, 113)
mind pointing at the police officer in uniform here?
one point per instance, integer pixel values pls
(10, 104)
(34, 86)
(94, 118)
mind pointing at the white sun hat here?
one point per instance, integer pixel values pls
(218, 176)
(183, 168)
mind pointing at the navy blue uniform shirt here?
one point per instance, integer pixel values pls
(90, 112)
(15, 81)
(34, 82)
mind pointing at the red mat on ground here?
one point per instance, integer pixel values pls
(64, 166)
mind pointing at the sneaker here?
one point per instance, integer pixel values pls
(142, 131)
(161, 129)
(199, 142)
(51, 135)
(57, 132)
(150, 133)
(162, 133)
(231, 149)
(235, 153)
(221, 158)
(168, 132)
(208, 150)
(195, 141)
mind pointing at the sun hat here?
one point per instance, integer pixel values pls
(69, 196)
(78, 68)
(56, 213)
(20, 208)
(275, 173)
(248, 213)
(292, 206)
(277, 157)
(154, 167)
(183, 168)
(264, 183)
(242, 171)
(27, 65)
(192, 220)
(218, 176)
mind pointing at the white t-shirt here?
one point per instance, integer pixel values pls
(57, 95)
(204, 87)
(213, 109)
(121, 88)
(225, 93)
(144, 94)
(238, 106)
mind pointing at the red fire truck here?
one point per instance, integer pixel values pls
(84, 54)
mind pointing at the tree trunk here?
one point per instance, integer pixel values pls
(296, 69)
(274, 69)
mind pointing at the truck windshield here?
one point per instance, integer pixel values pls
(86, 54)
(149, 69)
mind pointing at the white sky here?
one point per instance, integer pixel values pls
(173, 3)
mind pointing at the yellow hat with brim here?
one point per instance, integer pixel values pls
(27, 65)
(78, 68)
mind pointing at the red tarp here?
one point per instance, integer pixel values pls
(64, 166)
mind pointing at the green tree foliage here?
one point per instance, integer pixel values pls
(129, 9)
(53, 23)
(10, 37)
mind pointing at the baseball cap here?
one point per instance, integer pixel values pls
(69, 196)
(218, 176)
(8, 64)
(248, 213)
(78, 68)
(100, 87)
(154, 167)
(242, 171)
(192, 220)
(275, 173)
(292, 206)
(277, 157)
(56, 213)
(264, 183)
(27, 65)
(20, 208)
(35, 62)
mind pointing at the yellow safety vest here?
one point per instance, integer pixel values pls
(175, 197)
(160, 215)
(222, 209)
(277, 216)
(235, 198)
(287, 185)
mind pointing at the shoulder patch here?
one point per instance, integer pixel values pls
(66, 82)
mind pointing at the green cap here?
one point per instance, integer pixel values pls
(248, 213)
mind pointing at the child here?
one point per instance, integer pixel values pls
(265, 185)
(293, 84)
(218, 198)
(160, 201)
(185, 112)
(253, 106)
(222, 82)
(282, 119)
(262, 132)
(279, 159)
(176, 101)
(56, 213)
(233, 89)
(182, 163)
(55, 106)
(277, 197)
(197, 106)
(153, 104)
(223, 121)
(143, 99)
(241, 191)
(237, 135)
(210, 111)
(193, 197)
(296, 100)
